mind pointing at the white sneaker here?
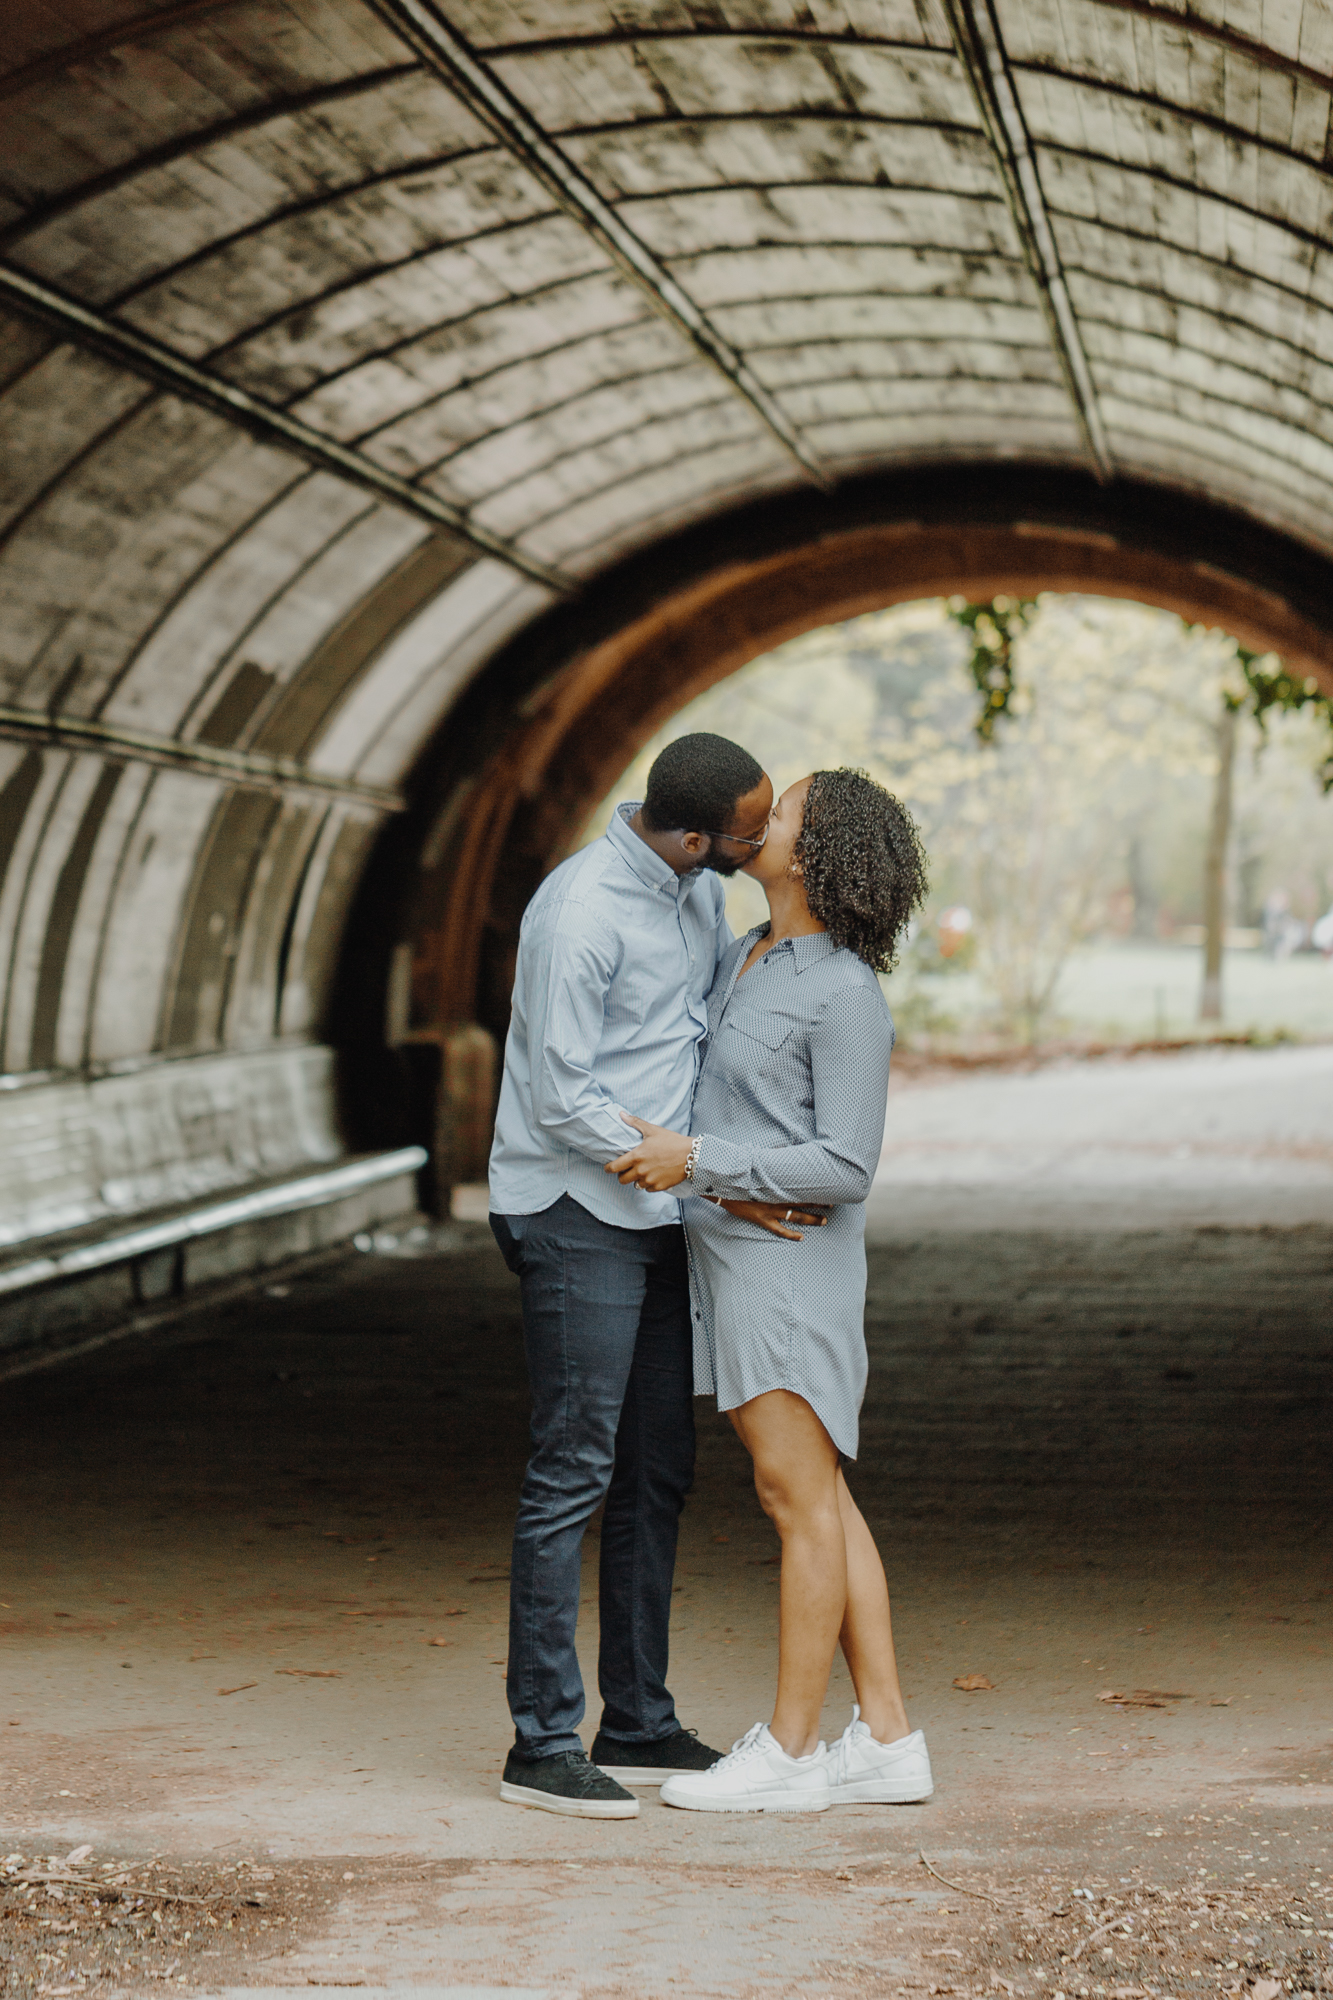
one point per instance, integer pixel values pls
(756, 1775)
(864, 1772)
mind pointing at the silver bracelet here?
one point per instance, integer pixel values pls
(693, 1160)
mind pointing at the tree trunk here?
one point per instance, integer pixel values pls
(1215, 868)
(1144, 922)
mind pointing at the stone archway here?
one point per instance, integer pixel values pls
(558, 713)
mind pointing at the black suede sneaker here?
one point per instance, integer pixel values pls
(650, 1763)
(565, 1783)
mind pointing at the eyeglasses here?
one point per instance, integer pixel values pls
(739, 838)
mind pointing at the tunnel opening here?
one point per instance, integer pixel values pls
(546, 726)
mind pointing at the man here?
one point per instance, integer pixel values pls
(616, 957)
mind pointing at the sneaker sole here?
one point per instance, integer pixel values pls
(646, 1774)
(868, 1793)
(523, 1795)
(749, 1805)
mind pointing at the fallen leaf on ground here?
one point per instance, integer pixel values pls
(1143, 1697)
(310, 1673)
(974, 1684)
(1215, 1703)
(439, 1642)
(240, 1687)
(1266, 1989)
(76, 1855)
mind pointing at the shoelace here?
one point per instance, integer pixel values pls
(586, 1775)
(743, 1748)
(840, 1752)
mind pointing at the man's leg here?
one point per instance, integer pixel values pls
(582, 1288)
(654, 1470)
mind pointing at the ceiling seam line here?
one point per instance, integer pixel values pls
(617, 382)
(1270, 421)
(1191, 114)
(1175, 343)
(642, 424)
(253, 770)
(639, 423)
(982, 54)
(621, 38)
(1162, 178)
(53, 209)
(598, 493)
(538, 412)
(1293, 347)
(316, 205)
(1200, 452)
(462, 71)
(142, 28)
(167, 370)
(224, 666)
(1257, 52)
(431, 329)
(171, 604)
(1302, 301)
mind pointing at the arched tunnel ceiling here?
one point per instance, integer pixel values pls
(344, 338)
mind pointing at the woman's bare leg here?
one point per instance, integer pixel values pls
(797, 1479)
(867, 1628)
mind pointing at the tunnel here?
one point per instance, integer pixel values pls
(408, 406)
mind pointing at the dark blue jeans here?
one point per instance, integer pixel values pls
(606, 1325)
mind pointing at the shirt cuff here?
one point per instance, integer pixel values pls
(723, 1168)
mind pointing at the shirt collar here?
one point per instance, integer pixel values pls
(639, 857)
(805, 951)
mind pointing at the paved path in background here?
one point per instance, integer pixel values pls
(1237, 1136)
(1096, 1458)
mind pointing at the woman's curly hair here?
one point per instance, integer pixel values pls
(863, 863)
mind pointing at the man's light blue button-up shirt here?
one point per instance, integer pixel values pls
(616, 957)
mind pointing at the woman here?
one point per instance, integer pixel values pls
(790, 1107)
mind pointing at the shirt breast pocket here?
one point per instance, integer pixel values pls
(761, 1044)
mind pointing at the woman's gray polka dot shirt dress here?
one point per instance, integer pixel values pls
(794, 1072)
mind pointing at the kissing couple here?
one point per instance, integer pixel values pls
(722, 1253)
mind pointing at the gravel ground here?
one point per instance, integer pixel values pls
(71, 1923)
(106, 1927)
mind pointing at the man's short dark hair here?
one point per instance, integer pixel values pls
(695, 784)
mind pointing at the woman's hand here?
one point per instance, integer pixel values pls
(774, 1218)
(657, 1163)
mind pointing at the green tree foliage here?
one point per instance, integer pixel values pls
(1269, 688)
(1091, 798)
(993, 629)
(1264, 688)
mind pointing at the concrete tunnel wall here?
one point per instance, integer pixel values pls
(404, 407)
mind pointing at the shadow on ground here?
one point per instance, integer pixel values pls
(254, 1620)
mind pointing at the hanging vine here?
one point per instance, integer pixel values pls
(994, 628)
(1269, 687)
